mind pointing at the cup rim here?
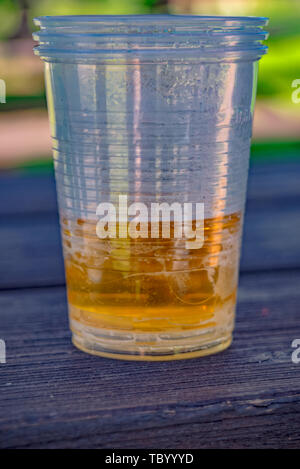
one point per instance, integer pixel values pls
(152, 18)
(129, 37)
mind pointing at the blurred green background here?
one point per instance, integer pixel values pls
(24, 127)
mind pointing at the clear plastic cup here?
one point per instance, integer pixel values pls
(144, 111)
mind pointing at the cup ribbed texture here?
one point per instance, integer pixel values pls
(158, 37)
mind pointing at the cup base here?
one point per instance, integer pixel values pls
(124, 345)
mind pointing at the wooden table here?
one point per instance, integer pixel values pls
(54, 396)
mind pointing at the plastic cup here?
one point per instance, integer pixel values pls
(151, 121)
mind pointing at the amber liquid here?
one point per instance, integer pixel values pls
(152, 285)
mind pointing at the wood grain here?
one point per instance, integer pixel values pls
(30, 239)
(55, 396)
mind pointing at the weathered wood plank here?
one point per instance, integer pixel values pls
(271, 235)
(31, 252)
(31, 249)
(274, 180)
(22, 194)
(249, 396)
(29, 232)
(26, 193)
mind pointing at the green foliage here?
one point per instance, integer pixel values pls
(279, 68)
(10, 17)
(10, 10)
(91, 7)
